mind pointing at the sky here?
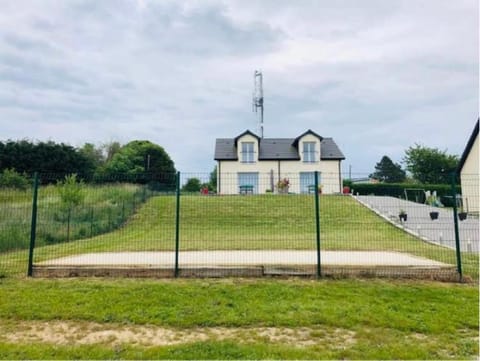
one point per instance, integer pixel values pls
(378, 76)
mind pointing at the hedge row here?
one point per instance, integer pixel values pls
(444, 191)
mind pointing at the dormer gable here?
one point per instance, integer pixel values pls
(308, 146)
(311, 132)
(247, 147)
(247, 132)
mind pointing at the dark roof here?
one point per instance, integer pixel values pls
(297, 139)
(277, 148)
(468, 148)
(245, 133)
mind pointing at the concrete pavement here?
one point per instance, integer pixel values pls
(245, 258)
(440, 231)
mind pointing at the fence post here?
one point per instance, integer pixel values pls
(91, 222)
(317, 224)
(33, 227)
(455, 222)
(177, 222)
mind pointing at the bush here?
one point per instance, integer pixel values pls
(9, 178)
(398, 189)
(71, 191)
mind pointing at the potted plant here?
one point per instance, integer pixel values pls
(402, 215)
(433, 202)
(462, 215)
(282, 185)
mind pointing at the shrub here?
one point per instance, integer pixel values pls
(71, 191)
(10, 178)
(398, 189)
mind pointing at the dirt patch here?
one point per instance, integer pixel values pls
(83, 333)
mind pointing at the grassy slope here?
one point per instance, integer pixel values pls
(391, 320)
(260, 222)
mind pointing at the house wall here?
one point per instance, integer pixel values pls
(469, 178)
(271, 171)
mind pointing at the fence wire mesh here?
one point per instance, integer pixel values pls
(246, 223)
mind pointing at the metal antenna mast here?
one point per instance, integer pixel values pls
(258, 97)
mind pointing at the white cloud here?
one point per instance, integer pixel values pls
(180, 74)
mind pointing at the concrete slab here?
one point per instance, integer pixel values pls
(244, 258)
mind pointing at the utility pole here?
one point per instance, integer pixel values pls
(258, 97)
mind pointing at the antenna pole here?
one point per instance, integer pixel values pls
(258, 97)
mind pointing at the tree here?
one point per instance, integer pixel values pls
(142, 161)
(110, 149)
(56, 159)
(430, 165)
(388, 172)
(94, 154)
(213, 179)
(71, 195)
(192, 185)
(9, 178)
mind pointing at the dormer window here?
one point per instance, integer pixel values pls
(248, 152)
(309, 152)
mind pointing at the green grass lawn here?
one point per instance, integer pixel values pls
(239, 319)
(102, 209)
(245, 222)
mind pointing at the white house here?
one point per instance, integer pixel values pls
(250, 164)
(470, 174)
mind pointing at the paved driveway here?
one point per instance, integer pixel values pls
(440, 231)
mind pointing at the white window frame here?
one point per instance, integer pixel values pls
(248, 152)
(309, 152)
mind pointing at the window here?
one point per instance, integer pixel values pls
(309, 152)
(248, 183)
(307, 182)
(247, 152)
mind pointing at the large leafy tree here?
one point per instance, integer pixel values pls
(110, 149)
(430, 165)
(93, 154)
(143, 161)
(44, 157)
(192, 185)
(389, 172)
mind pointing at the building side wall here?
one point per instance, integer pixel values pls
(270, 172)
(469, 178)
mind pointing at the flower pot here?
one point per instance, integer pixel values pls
(462, 216)
(433, 215)
(403, 217)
